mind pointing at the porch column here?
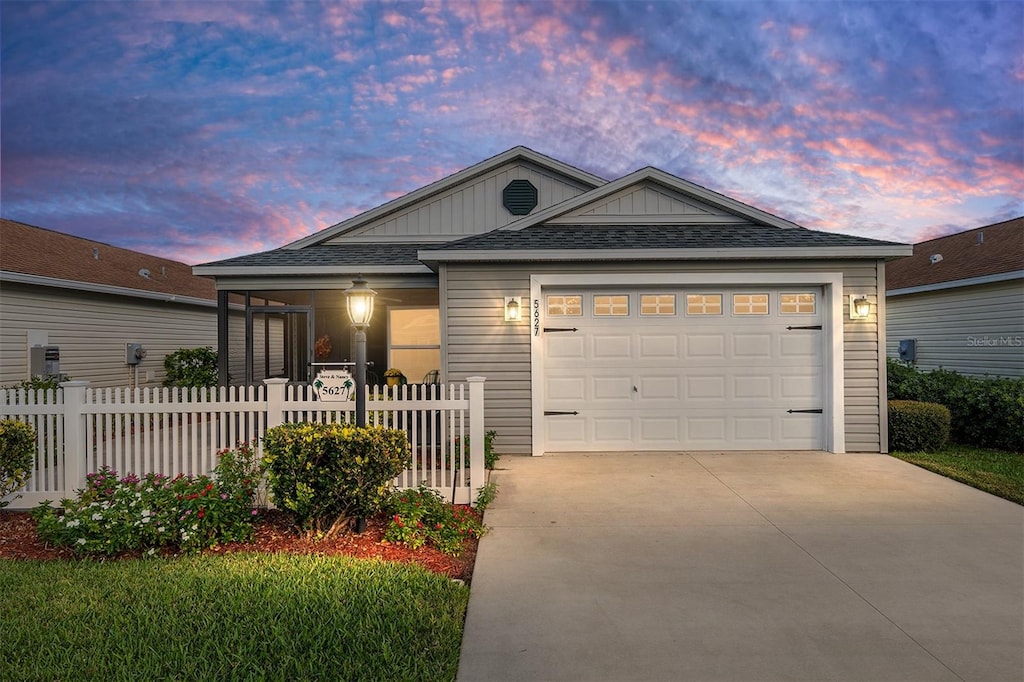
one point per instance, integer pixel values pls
(222, 338)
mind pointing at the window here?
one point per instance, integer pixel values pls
(750, 304)
(703, 304)
(658, 304)
(561, 305)
(797, 304)
(414, 341)
(615, 305)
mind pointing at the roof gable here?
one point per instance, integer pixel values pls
(40, 253)
(464, 203)
(648, 196)
(982, 252)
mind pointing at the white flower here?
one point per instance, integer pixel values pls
(81, 541)
(74, 523)
(161, 529)
(151, 552)
(145, 519)
(145, 513)
(97, 517)
(60, 519)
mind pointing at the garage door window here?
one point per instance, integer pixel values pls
(797, 304)
(658, 304)
(612, 305)
(703, 304)
(565, 305)
(750, 304)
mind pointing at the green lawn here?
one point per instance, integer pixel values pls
(231, 617)
(994, 471)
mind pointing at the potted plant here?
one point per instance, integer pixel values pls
(394, 376)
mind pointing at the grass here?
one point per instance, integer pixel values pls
(230, 617)
(994, 471)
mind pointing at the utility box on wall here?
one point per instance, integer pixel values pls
(134, 353)
(908, 350)
(44, 361)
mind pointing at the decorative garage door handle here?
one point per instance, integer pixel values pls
(818, 411)
(560, 329)
(548, 413)
(812, 326)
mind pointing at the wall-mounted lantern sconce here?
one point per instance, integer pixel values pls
(860, 306)
(513, 308)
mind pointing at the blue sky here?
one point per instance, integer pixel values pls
(203, 130)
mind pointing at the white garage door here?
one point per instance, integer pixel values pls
(695, 368)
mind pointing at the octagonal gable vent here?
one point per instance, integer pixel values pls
(519, 197)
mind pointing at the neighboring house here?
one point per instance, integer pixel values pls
(653, 314)
(958, 302)
(89, 300)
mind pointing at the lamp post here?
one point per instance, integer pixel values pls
(359, 299)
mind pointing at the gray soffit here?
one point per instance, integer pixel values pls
(642, 242)
(324, 258)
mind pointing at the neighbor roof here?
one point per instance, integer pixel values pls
(38, 255)
(982, 252)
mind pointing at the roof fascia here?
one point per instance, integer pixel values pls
(668, 180)
(514, 154)
(759, 253)
(325, 282)
(39, 280)
(958, 283)
(300, 271)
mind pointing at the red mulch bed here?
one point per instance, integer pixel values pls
(18, 540)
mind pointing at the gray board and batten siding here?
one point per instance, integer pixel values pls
(976, 330)
(466, 209)
(477, 340)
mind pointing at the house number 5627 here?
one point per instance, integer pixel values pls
(536, 317)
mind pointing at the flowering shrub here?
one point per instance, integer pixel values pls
(421, 516)
(114, 514)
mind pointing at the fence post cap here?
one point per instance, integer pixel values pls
(275, 381)
(476, 380)
(74, 384)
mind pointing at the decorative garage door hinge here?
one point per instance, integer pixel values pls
(818, 411)
(560, 329)
(812, 326)
(548, 413)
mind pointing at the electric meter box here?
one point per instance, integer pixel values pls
(134, 353)
(44, 361)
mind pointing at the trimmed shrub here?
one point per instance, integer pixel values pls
(327, 475)
(191, 367)
(17, 445)
(985, 411)
(917, 427)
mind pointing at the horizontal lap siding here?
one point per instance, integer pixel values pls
(479, 342)
(92, 329)
(951, 327)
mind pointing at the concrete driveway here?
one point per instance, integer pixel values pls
(744, 566)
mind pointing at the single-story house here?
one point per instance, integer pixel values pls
(958, 302)
(84, 301)
(642, 313)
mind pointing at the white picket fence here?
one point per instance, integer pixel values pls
(170, 431)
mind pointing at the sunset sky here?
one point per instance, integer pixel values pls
(204, 130)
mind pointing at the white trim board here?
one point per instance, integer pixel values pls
(957, 283)
(833, 411)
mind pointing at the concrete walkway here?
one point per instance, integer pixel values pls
(744, 566)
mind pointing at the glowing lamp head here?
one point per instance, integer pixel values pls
(513, 309)
(359, 299)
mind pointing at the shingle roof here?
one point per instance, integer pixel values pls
(990, 250)
(625, 238)
(330, 254)
(30, 250)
